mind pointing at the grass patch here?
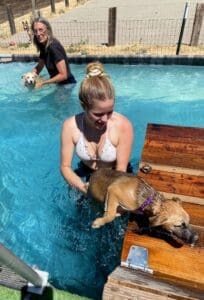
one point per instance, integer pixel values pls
(49, 294)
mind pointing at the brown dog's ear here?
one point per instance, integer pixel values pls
(177, 199)
(157, 220)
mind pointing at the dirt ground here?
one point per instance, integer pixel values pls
(45, 12)
(7, 46)
(83, 48)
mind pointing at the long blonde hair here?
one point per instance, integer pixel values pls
(95, 86)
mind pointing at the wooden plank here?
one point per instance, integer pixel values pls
(177, 183)
(175, 133)
(196, 213)
(175, 146)
(128, 284)
(175, 169)
(183, 159)
(168, 262)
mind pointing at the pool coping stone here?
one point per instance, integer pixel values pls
(118, 59)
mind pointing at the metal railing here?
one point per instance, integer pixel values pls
(13, 262)
(133, 37)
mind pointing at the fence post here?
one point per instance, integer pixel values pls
(112, 14)
(33, 8)
(182, 28)
(35, 13)
(10, 19)
(52, 2)
(66, 3)
(197, 24)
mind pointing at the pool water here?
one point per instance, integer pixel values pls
(42, 220)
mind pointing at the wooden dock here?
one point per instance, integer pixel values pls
(175, 156)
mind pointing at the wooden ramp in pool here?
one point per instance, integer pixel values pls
(176, 157)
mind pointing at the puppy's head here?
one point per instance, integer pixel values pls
(25, 25)
(30, 79)
(175, 220)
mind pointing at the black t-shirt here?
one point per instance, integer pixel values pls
(52, 55)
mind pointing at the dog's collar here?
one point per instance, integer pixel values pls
(147, 202)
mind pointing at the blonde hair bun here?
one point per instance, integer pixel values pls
(95, 69)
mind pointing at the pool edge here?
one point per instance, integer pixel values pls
(118, 59)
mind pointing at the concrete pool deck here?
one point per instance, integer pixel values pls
(118, 59)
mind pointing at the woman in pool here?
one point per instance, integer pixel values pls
(100, 136)
(52, 54)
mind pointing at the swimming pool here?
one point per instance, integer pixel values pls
(41, 219)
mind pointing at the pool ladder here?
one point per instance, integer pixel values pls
(37, 280)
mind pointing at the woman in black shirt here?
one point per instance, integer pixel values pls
(52, 54)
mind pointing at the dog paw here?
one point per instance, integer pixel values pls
(97, 223)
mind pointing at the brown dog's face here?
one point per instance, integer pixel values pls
(174, 219)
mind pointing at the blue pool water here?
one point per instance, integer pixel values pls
(43, 221)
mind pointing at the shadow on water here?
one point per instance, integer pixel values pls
(89, 255)
(61, 102)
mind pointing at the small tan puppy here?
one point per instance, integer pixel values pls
(30, 79)
(132, 193)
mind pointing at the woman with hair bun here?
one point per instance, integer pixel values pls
(100, 136)
(52, 54)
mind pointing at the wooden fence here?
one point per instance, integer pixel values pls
(12, 9)
(111, 35)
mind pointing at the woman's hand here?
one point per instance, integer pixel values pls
(85, 188)
(39, 83)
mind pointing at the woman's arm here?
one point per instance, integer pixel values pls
(39, 66)
(67, 152)
(125, 143)
(62, 73)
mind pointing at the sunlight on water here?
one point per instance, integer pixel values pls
(42, 220)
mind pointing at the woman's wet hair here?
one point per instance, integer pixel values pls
(95, 86)
(49, 32)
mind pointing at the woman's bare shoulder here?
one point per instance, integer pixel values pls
(69, 123)
(122, 120)
(71, 126)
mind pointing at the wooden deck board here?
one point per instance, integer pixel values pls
(176, 155)
(177, 183)
(169, 262)
(127, 284)
(174, 145)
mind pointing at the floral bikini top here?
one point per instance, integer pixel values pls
(107, 154)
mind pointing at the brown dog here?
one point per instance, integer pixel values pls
(132, 193)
